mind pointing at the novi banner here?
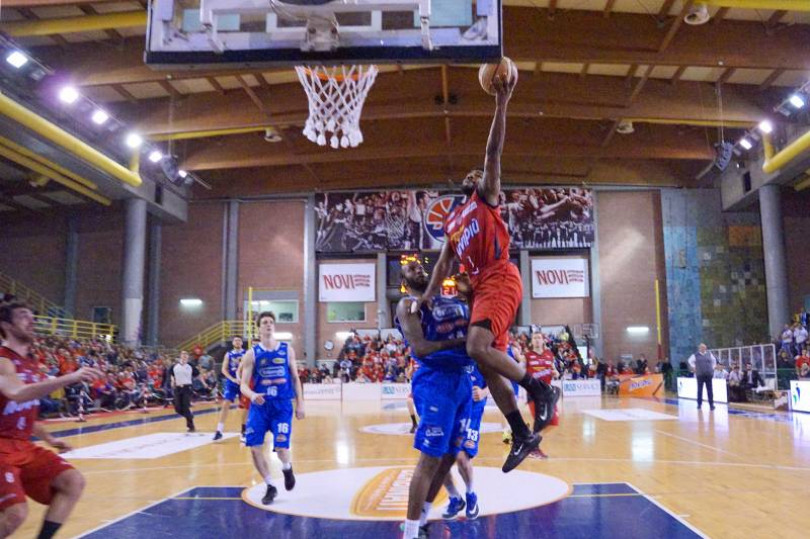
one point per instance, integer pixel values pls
(560, 278)
(347, 282)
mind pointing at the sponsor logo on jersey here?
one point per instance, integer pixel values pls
(271, 372)
(467, 235)
(469, 444)
(433, 432)
(279, 360)
(281, 438)
(12, 407)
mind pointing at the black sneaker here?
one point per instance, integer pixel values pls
(270, 495)
(521, 447)
(217, 436)
(424, 532)
(289, 479)
(544, 407)
(191, 430)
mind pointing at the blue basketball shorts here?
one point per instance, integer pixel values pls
(443, 401)
(473, 434)
(274, 416)
(231, 391)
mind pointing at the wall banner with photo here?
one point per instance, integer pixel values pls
(398, 220)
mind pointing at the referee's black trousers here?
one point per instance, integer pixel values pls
(182, 404)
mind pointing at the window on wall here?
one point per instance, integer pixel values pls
(349, 311)
(286, 310)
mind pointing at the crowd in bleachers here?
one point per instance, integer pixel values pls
(372, 359)
(135, 377)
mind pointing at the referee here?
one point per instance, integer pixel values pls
(182, 376)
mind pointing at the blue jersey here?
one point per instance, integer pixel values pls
(447, 319)
(234, 357)
(271, 372)
(476, 377)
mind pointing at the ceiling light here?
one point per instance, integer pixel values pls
(797, 101)
(765, 126)
(134, 140)
(745, 143)
(182, 174)
(100, 116)
(155, 156)
(68, 95)
(191, 302)
(17, 59)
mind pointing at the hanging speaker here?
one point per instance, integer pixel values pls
(725, 151)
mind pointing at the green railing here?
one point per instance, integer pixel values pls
(37, 301)
(219, 333)
(74, 329)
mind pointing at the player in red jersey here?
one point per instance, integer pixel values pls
(477, 236)
(540, 365)
(27, 468)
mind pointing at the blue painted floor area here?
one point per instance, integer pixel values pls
(593, 511)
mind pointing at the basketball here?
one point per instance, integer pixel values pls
(488, 72)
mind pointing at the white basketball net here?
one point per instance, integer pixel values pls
(336, 96)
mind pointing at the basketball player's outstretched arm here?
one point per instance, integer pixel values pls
(299, 392)
(13, 389)
(497, 133)
(441, 271)
(412, 327)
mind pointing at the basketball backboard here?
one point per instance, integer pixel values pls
(206, 34)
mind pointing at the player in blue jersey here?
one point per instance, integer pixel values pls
(270, 381)
(469, 449)
(230, 388)
(441, 387)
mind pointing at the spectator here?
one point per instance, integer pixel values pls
(803, 364)
(720, 372)
(799, 337)
(735, 390)
(751, 378)
(786, 340)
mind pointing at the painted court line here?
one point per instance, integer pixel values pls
(131, 513)
(706, 446)
(670, 513)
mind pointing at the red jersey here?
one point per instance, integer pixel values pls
(802, 360)
(17, 421)
(478, 236)
(540, 365)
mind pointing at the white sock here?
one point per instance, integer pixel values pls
(220, 427)
(470, 486)
(451, 489)
(411, 530)
(425, 512)
(269, 480)
(286, 465)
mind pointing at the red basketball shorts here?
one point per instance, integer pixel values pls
(496, 297)
(27, 469)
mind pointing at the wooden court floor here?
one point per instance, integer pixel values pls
(727, 473)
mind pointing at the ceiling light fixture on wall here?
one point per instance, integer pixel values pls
(698, 14)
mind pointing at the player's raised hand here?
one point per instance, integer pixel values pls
(87, 374)
(503, 86)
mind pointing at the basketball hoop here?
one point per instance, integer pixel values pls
(336, 95)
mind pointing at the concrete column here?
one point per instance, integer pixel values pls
(134, 257)
(231, 260)
(773, 247)
(526, 277)
(596, 282)
(310, 283)
(71, 266)
(153, 308)
(383, 310)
